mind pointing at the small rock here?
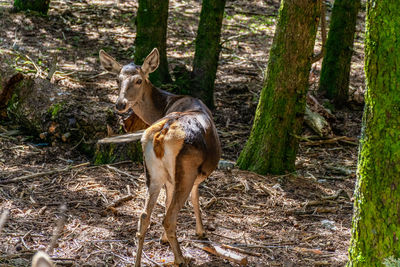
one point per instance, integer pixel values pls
(225, 164)
(330, 225)
(277, 187)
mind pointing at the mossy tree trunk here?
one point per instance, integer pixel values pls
(151, 23)
(376, 220)
(207, 51)
(272, 145)
(335, 72)
(41, 6)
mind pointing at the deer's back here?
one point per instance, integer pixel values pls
(189, 132)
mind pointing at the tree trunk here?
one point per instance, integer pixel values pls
(41, 6)
(52, 116)
(272, 145)
(376, 227)
(207, 52)
(119, 148)
(335, 72)
(151, 22)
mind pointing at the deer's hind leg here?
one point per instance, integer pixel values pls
(186, 172)
(156, 176)
(196, 207)
(169, 190)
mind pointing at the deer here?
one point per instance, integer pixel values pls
(181, 147)
(42, 259)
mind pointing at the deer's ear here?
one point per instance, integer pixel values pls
(151, 62)
(109, 63)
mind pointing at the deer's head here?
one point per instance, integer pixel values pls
(133, 80)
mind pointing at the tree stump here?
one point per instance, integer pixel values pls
(119, 148)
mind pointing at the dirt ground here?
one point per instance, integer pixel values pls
(298, 219)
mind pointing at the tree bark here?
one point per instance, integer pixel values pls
(41, 6)
(272, 145)
(51, 115)
(207, 51)
(335, 72)
(376, 226)
(151, 22)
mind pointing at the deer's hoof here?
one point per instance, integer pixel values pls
(187, 262)
(164, 240)
(201, 236)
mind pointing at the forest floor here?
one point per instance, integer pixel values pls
(297, 219)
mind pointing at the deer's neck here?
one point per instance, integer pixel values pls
(153, 104)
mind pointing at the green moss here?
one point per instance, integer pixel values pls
(335, 72)
(375, 226)
(272, 146)
(151, 23)
(55, 109)
(207, 51)
(391, 262)
(111, 153)
(105, 156)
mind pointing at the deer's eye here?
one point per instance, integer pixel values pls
(138, 81)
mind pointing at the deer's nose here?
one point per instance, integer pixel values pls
(121, 104)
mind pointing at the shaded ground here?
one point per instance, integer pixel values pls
(279, 217)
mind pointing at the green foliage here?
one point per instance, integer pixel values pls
(55, 109)
(105, 156)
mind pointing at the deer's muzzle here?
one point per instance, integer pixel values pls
(121, 105)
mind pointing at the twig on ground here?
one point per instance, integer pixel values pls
(123, 172)
(230, 238)
(58, 229)
(225, 254)
(149, 259)
(343, 139)
(3, 219)
(34, 175)
(333, 197)
(241, 250)
(120, 201)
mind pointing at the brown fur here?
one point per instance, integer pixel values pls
(181, 147)
(133, 123)
(158, 143)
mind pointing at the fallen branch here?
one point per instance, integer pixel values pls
(122, 172)
(240, 250)
(3, 219)
(58, 229)
(119, 201)
(333, 197)
(125, 138)
(343, 139)
(35, 175)
(308, 250)
(225, 254)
